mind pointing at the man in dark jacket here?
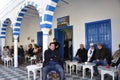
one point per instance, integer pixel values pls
(52, 62)
(81, 54)
(103, 57)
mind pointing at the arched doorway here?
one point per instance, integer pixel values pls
(6, 32)
(26, 27)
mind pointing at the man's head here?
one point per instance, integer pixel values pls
(52, 46)
(81, 46)
(92, 45)
(30, 45)
(54, 40)
(99, 45)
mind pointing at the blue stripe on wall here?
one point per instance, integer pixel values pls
(5, 25)
(55, 1)
(16, 33)
(21, 14)
(45, 26)
(48, 17)
(4, 29)
(16, 29)
(17, 24)
(24, 10)
(50, 8)
(2, 36)
(3, 32)
(19, 19)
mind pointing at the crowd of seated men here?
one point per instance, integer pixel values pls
(32, 51)
(100, 56)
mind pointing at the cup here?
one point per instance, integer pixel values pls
(86, 62)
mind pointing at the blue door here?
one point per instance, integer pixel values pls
(99, 31)
(39, 38)
(59, 35)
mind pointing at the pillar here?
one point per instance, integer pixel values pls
(15, 51)
(45, 40)
(2, 44)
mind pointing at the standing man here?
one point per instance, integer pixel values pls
(52, 62)
(57, 45)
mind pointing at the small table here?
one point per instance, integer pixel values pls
(8, 61)
(34, 69)
(70, 64)
(105, 70)
(89, 66)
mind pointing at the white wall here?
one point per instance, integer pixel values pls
(83, 11)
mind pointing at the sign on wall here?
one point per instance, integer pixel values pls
(63, 21)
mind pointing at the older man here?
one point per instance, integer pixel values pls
(81, 54)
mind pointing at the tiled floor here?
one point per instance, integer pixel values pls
(20, 73)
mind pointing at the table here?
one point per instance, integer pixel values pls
(105, 70)
(89, 66)
(8, 61)
(71, 64)
(34, 69)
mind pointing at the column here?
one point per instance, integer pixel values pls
(2, 44)
(15, 51)
(45, 40)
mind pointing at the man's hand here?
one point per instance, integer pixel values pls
(51, 59)
(98, 60)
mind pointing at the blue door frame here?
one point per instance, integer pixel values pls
(56, 34)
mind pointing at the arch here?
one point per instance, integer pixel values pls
(6, 23)
(48, 15)
(21, 13)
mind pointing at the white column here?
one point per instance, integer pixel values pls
(15, 51)
(45, 40)
(2, 44)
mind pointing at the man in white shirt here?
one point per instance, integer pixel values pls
(91, 53)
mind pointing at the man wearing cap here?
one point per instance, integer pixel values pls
(91, 53)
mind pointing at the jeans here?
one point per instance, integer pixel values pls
(58, 68)
(100, 62)
(118, 77)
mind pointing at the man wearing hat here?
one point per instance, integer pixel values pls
(91, 53)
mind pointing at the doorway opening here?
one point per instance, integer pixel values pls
(64, 36)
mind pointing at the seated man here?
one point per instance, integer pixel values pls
(102, 56)
(52, 62)
(116, 57)
(81, 55)
(91, 53)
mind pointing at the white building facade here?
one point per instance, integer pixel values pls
(26, 17)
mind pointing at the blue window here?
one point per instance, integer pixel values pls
(99, 32)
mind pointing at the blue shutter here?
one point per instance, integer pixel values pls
(99, 31)
(39, 38)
